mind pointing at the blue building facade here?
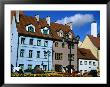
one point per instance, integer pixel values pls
(28, 49)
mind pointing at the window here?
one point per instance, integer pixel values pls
(21, 66)
(61, 34)
(80, 70)
(63, 45)
(38, 42)
(85, 62)
(61, 56)
(72, 57)
(29, 66)
(56, 44)
(90, 62)
(94, 64)
(45, 31)
(30, 53)
(45, 54)
(11, 48)
(81, 63)
(30, 29)
(85, 70)
(22, 53)
(31, 42)
(38, 54)
(58, 56)
(22, 40)
(55, 56)
(46, 43)
(70, 35)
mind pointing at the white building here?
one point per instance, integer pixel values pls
(92, 42)
(86, 60)
(31, 42)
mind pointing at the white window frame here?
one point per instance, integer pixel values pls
(27, 27)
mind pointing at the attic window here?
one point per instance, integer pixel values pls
(45, 30)
(30, 28)
(61, 33)
(70, 35)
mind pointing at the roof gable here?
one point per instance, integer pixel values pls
(95, 41)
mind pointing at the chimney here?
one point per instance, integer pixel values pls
(37, 17)
(48, 20)
(70, 25)
(17, 16)
(94, 29)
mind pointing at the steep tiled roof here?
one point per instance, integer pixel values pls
(26, 20)
(85, 54)
(95, 41)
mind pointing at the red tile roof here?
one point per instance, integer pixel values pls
(83, 53)
(95, 41)
(25, 20)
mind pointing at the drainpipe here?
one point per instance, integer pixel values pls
(17, 51)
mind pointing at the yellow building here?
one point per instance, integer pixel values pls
(92, 43)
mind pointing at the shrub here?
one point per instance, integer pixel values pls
(28, 70)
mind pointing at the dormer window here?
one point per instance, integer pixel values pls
(70, 35)
(61, 33)
(30, 28)
(45, 30)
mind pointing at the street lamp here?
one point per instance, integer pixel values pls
(70, 42)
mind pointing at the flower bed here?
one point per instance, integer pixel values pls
(50, 74)
(37, 75)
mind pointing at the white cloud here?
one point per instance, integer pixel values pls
(77, 19)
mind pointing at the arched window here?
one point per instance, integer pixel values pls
(30, 28)
(70, 35)
(61, 33)
(56, 44)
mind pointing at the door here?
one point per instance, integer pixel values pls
(58, 68)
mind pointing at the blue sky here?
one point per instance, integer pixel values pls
(81, 20)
